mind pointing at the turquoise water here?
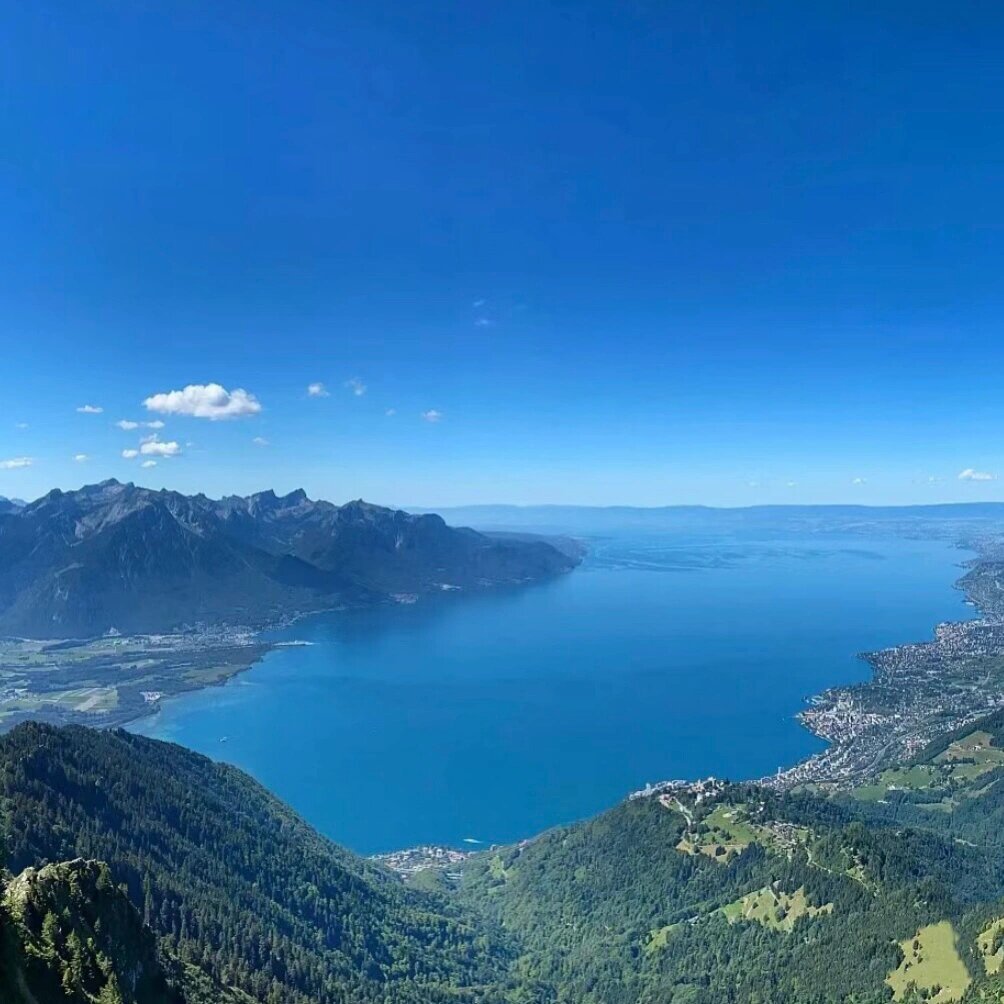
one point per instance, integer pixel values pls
(491, 717)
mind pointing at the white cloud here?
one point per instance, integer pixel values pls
(356, 386)
(432, 415)
(390, 412)
(90, 409)
(148, 463)
(483, 322)
(317, 390)
(970, 475)
(81, 458)
(260, 441)
(129, 454)
(127, 426)
(151, 446)
(792, 484)
(15, 463)
(859, 481)
(209, 400)
(22, 425)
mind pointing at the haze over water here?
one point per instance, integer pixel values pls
(491, 717)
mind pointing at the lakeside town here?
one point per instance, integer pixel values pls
(918, 691)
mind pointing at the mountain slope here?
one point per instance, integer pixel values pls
(67, 933)
(118, 556)
(231, 880)
(740, 897)
(693, 894)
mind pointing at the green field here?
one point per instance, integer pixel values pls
(971, 756)
(991, 946)
(901, 778)
(657, 938)
(776, 910)
(932, 963)
(947, 778)
(723, 833)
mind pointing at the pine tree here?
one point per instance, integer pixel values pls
(110, 993)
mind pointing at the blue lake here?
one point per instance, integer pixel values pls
(491, 717)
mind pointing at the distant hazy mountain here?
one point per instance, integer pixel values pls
(118, 556)
(598, 519)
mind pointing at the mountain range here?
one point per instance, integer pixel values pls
(120, 557)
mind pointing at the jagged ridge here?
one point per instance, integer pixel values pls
(120, 556)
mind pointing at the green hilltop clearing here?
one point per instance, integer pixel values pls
(932, 964)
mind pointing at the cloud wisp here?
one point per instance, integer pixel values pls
(211, 401)
(127, 426)
(90, 409)
(317, 390)
(432, 415)
(356, 386)
(16, 463)
(969, 474)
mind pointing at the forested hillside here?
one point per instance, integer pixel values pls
(231, 880)
(740, 895)
(708, 893)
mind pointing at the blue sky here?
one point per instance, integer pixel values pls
(625, 252)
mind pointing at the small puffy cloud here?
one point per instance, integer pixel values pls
(151, 446)
(432, 415)
(81, 458)
(972, 475)
(792, 484)
(15, 463)
(148, 463)
(260, 441)
(390, 412)
(317, 390)
(210, 400)
(356, 386)
(478, 303)
(129, 454)
(21, 425)
(126, 426)
(858, 481)
(483, 322)
(90, 409)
